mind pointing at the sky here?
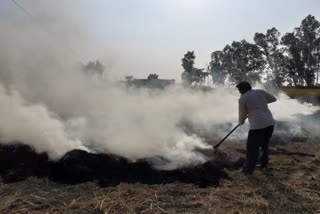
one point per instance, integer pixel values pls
(140, 37)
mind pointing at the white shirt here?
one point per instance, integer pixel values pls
(253, 105)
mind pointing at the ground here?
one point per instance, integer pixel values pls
(292, 186)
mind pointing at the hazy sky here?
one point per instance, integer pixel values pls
(139, 37)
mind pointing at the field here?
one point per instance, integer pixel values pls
(312, 94)
(292, 186)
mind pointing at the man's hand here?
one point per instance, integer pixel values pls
(242, 121)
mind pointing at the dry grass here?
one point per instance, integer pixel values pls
(292, 187)
(298, 92)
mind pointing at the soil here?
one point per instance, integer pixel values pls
(291, 186)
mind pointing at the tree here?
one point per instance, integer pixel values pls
(308, 33)
(129, 78)
(216, 68)
(198, 76)
(94, 68)
(187, 64)
(153, 76)
(188, 61)
(242, 61)
(269, 45)
(302, 51)
(191, 75)
(317, 55)
(293, 59)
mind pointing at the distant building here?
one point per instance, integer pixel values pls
(150, 83)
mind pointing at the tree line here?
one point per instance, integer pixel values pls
(289, 60)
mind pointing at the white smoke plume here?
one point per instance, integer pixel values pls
(33, 125)
(48, 103)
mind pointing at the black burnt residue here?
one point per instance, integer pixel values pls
(18, 162)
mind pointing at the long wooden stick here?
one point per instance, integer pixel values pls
(218, 144)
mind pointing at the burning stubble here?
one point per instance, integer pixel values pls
(135, 124)
(49, 103)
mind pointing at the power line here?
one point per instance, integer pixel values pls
(30, 14)
(21, 7)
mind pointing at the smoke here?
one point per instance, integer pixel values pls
(295, 120)
(34, 125)
(48, 103)
(288, 109)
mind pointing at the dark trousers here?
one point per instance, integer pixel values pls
(258, 139)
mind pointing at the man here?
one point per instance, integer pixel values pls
(253, 104)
